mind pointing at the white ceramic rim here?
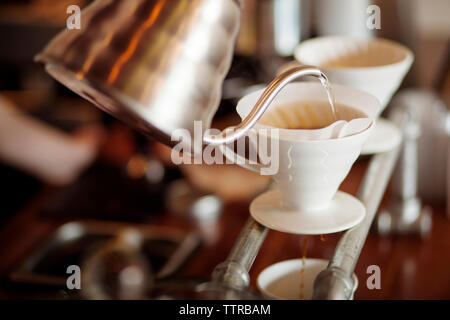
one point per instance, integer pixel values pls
(408, 55)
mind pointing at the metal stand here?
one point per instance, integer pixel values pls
(336, 281)
(233, 272)
(405, 213)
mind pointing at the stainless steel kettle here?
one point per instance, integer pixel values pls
(156, 64)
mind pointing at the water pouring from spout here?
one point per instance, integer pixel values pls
(266, 98)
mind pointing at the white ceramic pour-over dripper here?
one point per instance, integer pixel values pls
(309, 170)
(283, 280)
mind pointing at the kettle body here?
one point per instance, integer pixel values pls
(158, 65)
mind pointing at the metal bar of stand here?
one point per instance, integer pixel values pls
(234, 271)
(335, 282)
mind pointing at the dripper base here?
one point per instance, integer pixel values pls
(343, 212)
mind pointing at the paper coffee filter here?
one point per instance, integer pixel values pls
(316, 120)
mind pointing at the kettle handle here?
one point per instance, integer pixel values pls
(263, 103)
(235, 157)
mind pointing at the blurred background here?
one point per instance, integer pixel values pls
(73, 176)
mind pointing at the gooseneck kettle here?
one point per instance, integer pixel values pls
(158, 65)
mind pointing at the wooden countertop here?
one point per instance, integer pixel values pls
(411, 268)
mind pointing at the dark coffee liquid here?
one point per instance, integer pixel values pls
(302, 270)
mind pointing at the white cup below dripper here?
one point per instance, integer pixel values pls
(283, 280)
